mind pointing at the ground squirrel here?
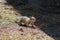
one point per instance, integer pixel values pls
(27, 21)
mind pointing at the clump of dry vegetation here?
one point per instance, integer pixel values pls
(8, 14)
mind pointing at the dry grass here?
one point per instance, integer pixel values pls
(8, 14)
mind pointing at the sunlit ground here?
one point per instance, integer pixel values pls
(14, 33)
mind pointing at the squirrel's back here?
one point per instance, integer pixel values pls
(18, 18)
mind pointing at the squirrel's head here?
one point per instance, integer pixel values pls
(33, 19)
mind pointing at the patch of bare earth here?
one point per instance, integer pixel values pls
(22, 33)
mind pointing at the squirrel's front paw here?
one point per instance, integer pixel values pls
(30, 25)
(22, 23)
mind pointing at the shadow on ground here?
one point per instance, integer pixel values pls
(46, 12)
